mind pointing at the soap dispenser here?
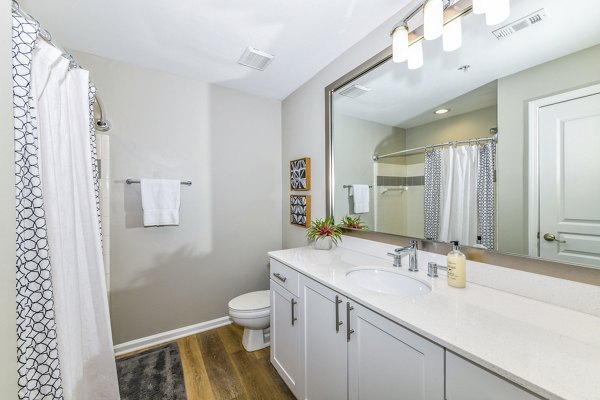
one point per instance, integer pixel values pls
(457, 267)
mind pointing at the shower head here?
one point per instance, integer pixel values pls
(102, 124)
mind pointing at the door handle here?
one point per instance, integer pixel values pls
(549, 237)
(348, 330)
(294, 302)
(279, 276)
(338, 323)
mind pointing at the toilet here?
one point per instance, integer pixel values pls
(253, 311)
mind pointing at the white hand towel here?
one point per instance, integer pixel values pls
(160, 201)
(361, 198)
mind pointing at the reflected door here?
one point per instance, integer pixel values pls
(569, 167)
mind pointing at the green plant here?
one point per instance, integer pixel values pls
(353, 222)
(320, 228)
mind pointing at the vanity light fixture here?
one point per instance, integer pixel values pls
(415, 55)
(441, 17)
(433, 18)
(479, 6)
(452, 37)
(441, 111)
(400, 43)
(497, 11)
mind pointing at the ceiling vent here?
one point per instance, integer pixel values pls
(255, 58)
(520, 24)
(354, 91)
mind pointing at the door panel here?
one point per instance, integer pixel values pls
(285, 337)
(569, 180)
(324, 348)
(387, 361)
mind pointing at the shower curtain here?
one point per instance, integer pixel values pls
(459, 194)
(63, 328)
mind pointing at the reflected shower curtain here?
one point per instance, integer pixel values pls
(459, 194)
(65, 344)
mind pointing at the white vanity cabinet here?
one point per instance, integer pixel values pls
(286, 321)
(353, 353)
(468, 381)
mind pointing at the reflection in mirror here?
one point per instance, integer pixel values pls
(494, 144)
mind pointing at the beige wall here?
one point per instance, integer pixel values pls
(514, 93)
(355, 142)
(229, 145)
(303, 123)
(8, 336)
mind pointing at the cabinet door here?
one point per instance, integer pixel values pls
(387, 361)
(324, 342)
(285, 337)
(468, 381)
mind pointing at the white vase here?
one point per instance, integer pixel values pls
(323, 243)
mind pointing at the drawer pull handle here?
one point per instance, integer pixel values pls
(348, 330)
(338, 323)
(279, 276)
(294, 302)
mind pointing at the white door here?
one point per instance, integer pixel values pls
(285, 337)
(387, 361)
(569, 176)
(324, 343)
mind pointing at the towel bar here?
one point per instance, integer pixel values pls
(130, 181)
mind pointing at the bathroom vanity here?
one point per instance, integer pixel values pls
(335, 337)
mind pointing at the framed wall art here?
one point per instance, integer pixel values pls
(300, 210)
(300, 174)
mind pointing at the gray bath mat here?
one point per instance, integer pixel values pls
(155, 374)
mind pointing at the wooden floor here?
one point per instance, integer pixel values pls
(216, 366)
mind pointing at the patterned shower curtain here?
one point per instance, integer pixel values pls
(39, 369)
(485, 194)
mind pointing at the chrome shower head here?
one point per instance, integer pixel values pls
(102, 125)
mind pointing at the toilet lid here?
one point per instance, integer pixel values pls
(251, 301)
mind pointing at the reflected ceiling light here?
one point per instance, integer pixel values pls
(433, 18)
(480, 6)
(497, 11)
(415, 55)
(400, 44)
(441, 111)
(452, 37)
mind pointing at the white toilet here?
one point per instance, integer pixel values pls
(253, 311)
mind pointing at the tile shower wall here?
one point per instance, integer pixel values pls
(399, 199)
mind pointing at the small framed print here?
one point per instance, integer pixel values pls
(300, 210)
(300, 174)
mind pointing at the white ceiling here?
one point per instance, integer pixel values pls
(203, 39)
(399, 97)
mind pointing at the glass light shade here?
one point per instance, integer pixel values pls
(453, 35)
(480, 6)
(497, 11)
(415, 55)
(433, 19)
(400, 44)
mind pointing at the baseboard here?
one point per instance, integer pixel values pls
(169, 336)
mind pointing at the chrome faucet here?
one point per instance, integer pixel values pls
(411, 250)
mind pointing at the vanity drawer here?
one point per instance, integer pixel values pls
(285, 276)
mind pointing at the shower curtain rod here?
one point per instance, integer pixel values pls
(494, 139)
(101, 123)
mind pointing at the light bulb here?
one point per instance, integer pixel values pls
(415, 55)
(433, 19)
(497, 11)
(453, 34)
(480, 6)
(400, 44)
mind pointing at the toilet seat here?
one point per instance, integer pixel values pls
(252, 302)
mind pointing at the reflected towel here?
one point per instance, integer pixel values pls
(361, 198)
(160, 201)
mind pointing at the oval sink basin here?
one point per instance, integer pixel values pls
(386, 281)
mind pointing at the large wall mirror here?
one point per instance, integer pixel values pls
(496, 144)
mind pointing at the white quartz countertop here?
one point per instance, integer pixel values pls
(550, 350)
